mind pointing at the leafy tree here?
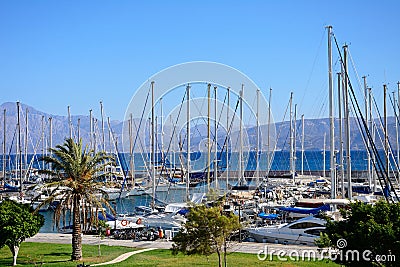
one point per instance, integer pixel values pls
(206, 231)
(17, 222)
(366, 227)
(76, 173)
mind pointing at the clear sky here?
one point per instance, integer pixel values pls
(59, 53)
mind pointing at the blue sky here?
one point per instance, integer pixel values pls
(59, 53)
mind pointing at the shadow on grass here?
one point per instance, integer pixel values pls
(57, 254)
(8, 262)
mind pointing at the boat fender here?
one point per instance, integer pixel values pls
(124, 222)
(139, 221)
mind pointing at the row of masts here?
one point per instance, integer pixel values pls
(153, 139)
(22, 162)
(340, 165)
(368, 129)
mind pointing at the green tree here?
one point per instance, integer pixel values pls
(77, 184)
(206, 231)
(366, 227)
(17, 222)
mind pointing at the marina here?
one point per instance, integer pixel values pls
(218, 144)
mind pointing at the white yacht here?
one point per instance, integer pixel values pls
(300, 232)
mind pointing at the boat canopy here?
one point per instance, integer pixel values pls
(302, 210)
(268, 216)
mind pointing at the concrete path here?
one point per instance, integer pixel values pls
(123, 257)
(244, 247)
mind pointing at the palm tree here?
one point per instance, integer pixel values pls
(76, 184)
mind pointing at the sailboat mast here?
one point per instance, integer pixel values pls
(397, 118)
(43, 142)
(50, 138)
(188, 141)
(294, 138)
(291, 158)
(386, 131)
(69, 122)
(91, 129)
(172, 155)
(215, 139)
(227, 138)
(153, 147)
(4, 145)
(347, 124)
(331, 117)
(208, 136)
(372, 130)
(302, 144)
(132, 154)
(102, 126)
(19, 147)
(241, 171)
(258, 138)
(324, 158)
(366, 120)
(341, 160)
(79, 129)
(162, 130)
(397, 128)
(26, 140)
(269, 152)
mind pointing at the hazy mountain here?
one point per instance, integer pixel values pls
(38, 128)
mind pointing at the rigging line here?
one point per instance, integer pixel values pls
(136, 138)
(140, 125)
(141, 147)
(35, 147)
(313, 67)
(367, 132)
(11, 146)
(373, 148)
(229, 129)
(322, 109)
(224, 146)
(163, 168)
(218, 123)
(379, 168)
(356, 73)
(394, 104)
(378, 113)
(280, 132)
(118, 158)
(281, 126)
(250, 113)
(390, 144)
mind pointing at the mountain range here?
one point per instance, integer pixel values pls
(315, 130)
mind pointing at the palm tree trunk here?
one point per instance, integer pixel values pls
(76, 231)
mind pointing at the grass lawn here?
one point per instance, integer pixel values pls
(163, 257)
(33, 254)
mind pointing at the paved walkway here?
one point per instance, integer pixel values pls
(123, 257)
(244, 247)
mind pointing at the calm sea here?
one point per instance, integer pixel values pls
(312, 160)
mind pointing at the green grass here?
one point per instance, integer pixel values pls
(163, 257)
(33, 254)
